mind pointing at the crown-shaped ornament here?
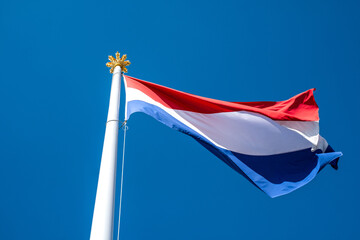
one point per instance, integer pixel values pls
(122, 62)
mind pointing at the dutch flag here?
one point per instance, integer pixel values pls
(275, 145)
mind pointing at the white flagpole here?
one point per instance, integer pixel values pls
(103, 217)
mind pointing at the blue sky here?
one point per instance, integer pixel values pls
(54, 96)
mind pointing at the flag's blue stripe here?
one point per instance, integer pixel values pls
(274, 174)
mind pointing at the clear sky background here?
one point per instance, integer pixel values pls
(54, 97)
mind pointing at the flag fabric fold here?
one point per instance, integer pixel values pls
(275, 145)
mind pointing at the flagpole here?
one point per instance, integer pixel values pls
(103, 217)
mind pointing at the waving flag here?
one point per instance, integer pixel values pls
(275, 145)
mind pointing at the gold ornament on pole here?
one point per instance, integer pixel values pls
(118, 62)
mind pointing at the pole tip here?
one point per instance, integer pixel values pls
(118, 61)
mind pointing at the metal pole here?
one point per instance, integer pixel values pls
(103, 218)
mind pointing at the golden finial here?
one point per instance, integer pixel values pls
(118, 62)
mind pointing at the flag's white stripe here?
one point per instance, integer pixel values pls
(247, 132)
(308, 129)
(243, 132)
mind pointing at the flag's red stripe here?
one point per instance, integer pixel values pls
(301, 107)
